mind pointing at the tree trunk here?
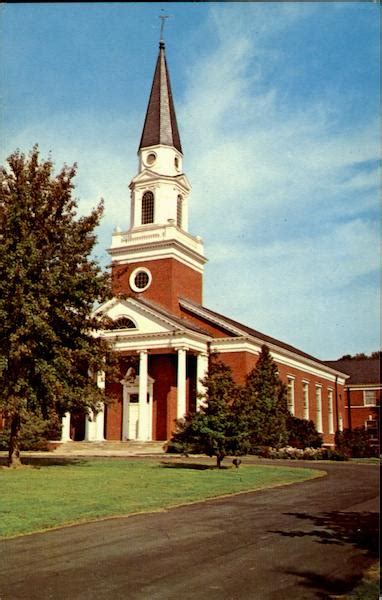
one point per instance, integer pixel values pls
(14, 443)
(219, 460)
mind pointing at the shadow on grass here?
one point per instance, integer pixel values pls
(194, 466)
(47, 461)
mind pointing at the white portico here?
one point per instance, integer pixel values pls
(162, 358)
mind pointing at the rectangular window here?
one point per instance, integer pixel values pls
(290, 395)
(319, 409)
(370, 397)
(305, 394)
(330, 411)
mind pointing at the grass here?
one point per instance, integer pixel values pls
(38, 498)
(366, 461)
(369, 588)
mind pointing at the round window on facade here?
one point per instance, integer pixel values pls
(151, 158)
(140, 279)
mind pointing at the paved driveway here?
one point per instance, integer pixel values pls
(309, 540)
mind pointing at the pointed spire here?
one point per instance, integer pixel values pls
(160, 123)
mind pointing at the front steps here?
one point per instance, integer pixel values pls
(107, 448)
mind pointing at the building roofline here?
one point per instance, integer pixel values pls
(239, 329)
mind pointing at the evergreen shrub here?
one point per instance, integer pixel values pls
(35, 433)
(302, 433)
(355, 443)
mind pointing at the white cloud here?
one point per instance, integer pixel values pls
(273, 195)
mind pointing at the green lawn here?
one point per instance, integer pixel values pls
(369, 587)
(37, 498)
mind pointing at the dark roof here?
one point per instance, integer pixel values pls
(184, 323)
(361, 371)
(258, 334)
(160, 123)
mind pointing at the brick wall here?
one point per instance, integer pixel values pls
(171, 280)
(163, 370)
(113, 411)
(359, 412)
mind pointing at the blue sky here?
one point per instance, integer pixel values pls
(278, 111)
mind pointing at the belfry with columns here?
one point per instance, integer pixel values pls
(161, 330)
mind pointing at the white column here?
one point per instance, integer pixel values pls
(65, 431)
(181, 383)
(201, 373)
(142, 408)
(90, 427)
(100, 416)
(99, 424)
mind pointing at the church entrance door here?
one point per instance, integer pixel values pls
(132, 417)
(131, 411)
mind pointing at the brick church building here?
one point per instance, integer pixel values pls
(161, 329)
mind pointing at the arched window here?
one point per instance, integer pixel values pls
(147, 208)
(179, 211)
(122, 323)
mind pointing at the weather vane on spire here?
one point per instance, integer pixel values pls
(163, 18)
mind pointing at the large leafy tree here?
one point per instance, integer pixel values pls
(49, 282)
(263, 403)
(215, 429)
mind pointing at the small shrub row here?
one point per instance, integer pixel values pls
(289, 452)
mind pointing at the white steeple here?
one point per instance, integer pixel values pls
(160, 190)
(159, 193)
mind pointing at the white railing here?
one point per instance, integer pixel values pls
(157, 233)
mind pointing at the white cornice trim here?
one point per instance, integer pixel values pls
(158, 251)
(288, 359)
(364, 406)
(148, 177)
(358, 387)
(157, 147)
(157, 341)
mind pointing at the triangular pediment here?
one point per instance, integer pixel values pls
(147, 177)
(145, 321)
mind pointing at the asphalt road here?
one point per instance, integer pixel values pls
(308, 540)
